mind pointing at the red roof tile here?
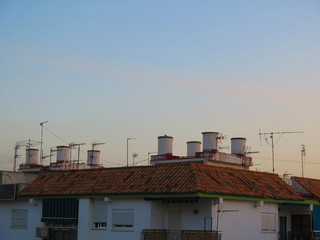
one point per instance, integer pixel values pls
(160, 179)
(311, 185)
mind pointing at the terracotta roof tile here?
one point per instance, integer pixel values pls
(160, 179)
(311, 185)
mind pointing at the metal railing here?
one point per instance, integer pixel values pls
(163, 234)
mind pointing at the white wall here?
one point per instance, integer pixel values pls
(246, 223)
(189, 219)
(34, 220)
(142, 212)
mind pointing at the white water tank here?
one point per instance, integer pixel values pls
(63, 154)
(165, 144)
(32, 156)
(238, 146)
(93, 157)
(210, 141)
(193, 147)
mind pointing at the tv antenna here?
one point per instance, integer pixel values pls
(28, 144)
(248, 151)
(72, 145)
(273, 143)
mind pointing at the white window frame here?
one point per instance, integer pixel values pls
(268, 222)
(127, 224)
(19, 218)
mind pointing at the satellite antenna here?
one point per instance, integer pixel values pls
(220, 138)
(273, 143)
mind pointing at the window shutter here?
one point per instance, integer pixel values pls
(268, 222)
(19, 218)
(122, 217)
(100, 211)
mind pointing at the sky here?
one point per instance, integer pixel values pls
(104, 71)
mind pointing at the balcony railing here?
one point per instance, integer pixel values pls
(163, 234)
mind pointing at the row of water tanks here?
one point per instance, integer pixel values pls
(209, 143)
(63, 155)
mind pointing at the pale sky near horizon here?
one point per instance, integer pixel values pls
(107, 70)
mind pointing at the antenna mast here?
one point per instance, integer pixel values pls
(41, 152)
(273, 143)
(303, 154)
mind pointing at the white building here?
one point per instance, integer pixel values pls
(187, 199)
(204, 195)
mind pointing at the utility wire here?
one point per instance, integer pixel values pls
(117, 164)
(284, 160)
(56, 135)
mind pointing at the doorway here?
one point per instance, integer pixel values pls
(301, 227)
(174, 220)
(283, 228)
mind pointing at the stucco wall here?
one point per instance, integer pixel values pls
(17, 177)
(243, 222)
(192, 214)
(141, 209)
(34, 220)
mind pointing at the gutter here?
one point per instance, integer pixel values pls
(183, 195)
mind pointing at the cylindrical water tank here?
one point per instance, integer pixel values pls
(93, 157)
(63, 154)
(193, 147)
(32, 156)
(209, 141)
(238, 145)
(165, 144)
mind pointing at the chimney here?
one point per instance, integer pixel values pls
(238, 146)
(209, 141)
(165, 145)
(93, 157)
(193, 147)
(63, 153)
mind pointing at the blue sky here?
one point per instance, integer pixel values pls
(107, 70)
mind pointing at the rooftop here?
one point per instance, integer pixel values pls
(311, 185)
(161, 179)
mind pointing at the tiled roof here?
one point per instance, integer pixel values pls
(160, 179)
(311, 185)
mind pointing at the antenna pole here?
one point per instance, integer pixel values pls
(78, 156)
(128, 150)
(272, 146)
(303, 153)
(50, 155)
(41, 152)
(15, 157)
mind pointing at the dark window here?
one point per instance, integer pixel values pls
(62, 210)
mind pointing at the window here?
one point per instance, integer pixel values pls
(99, 215)
(60, 210)
(19, 218)
(122, 219)
(268, 222)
